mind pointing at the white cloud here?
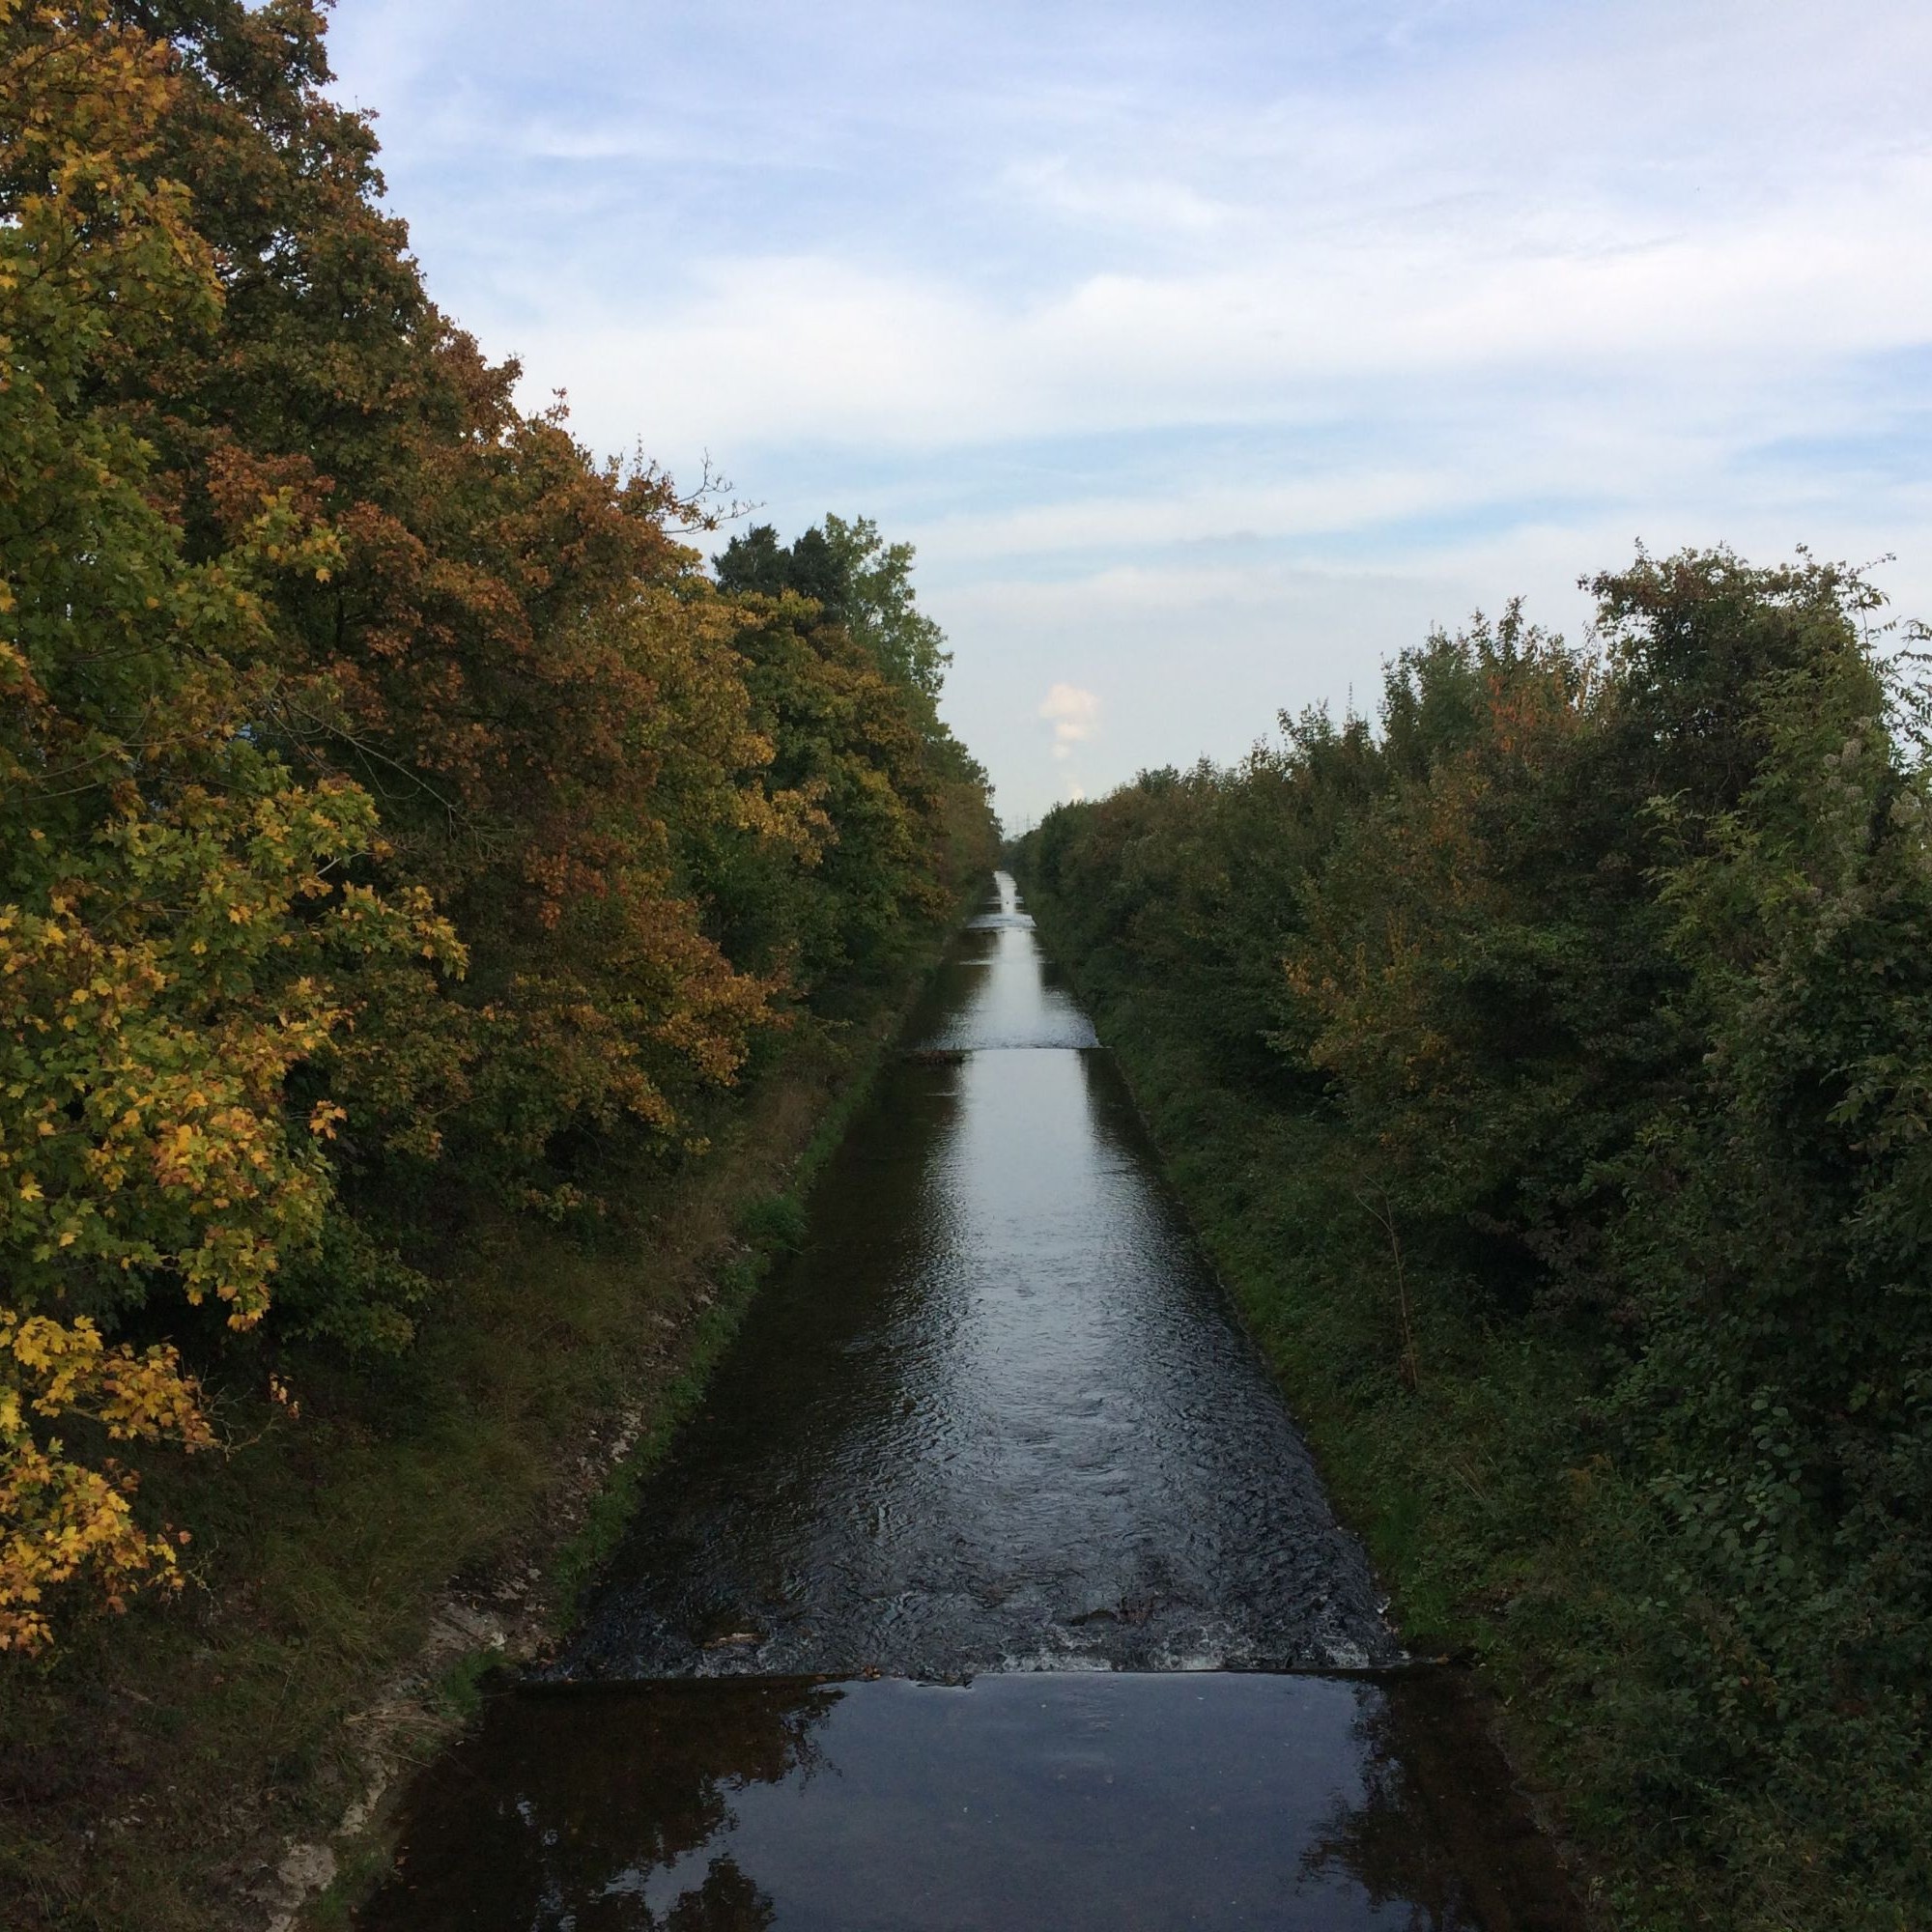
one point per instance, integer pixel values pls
(1250, 342)
(1140, 204)
(1074, 715)
(763, 351)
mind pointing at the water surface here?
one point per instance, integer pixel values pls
(998, 1414)
(1070, 1804)
(966, 1598)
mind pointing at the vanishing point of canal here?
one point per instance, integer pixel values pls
(991, 1588)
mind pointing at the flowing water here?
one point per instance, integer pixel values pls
(990, 1588)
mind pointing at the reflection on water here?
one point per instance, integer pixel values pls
(1061, 1803)
(996, 1427)
(996, 991)
(998, 1413)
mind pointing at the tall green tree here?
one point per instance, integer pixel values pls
(857, 580)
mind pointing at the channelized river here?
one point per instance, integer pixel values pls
(991, 1587)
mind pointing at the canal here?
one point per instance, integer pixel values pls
(991, 1587)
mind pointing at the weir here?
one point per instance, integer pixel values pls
(992, 1586)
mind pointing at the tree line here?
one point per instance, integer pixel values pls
(389, 792)
(1595, 982)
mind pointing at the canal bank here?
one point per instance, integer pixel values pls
(995, 1426)
(230, 1760)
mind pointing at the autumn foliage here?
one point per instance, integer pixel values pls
(388, 787)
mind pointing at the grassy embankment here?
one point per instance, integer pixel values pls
(153, 1772)
(1451, 1446)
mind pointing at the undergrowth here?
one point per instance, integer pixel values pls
(1463, 1452)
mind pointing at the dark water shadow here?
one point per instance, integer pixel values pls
(1084, 1802)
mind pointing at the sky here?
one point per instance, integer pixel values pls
(1208, 354)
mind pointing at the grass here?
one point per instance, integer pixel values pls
(150, 1774)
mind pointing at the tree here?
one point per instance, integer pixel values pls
(185, 923)
(858, 581)
(315, 652)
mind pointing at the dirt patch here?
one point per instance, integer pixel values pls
(511, 1618)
